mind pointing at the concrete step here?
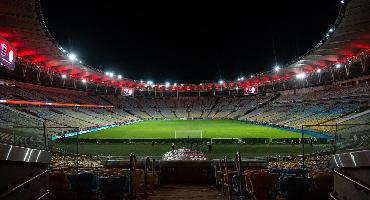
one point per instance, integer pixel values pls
(179, 192)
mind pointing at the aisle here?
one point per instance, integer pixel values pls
(179, 192)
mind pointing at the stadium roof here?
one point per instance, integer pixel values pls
(23, 26)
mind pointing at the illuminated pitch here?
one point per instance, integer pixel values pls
(165, 129)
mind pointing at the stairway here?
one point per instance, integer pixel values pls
(263, 103)
(186, 192)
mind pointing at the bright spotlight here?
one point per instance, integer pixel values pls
(277, 68)
(252, 76)
(150, 82)
(301, 76)
(119, 76)
(221, 82)
(167, 84)
(318, 70)
(175, 84)
(64, 76)
(107, 73)
(238, 79)
(338, 65)
(331, 30)
(84, 81)
(242, 78)
(72, 56)
(111, 74)
(342, 2)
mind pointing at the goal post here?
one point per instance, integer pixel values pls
(180, 134)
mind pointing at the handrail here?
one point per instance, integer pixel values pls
(153, 166)
(333, 195)
(132, 173)
(15, 188)
(350, 179)
(225, 165)
(228, 181)
(238, 163)
(146, 166)
(44, 195)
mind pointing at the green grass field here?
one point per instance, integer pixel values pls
(210, 128)
(165, 129)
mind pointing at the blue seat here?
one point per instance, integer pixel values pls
(83, 184)
(293, 186)
(82, 181)
(114, 187)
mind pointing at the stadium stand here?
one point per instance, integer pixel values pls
(36, 103)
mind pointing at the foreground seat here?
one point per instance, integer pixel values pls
(264, 185)
(114, 187)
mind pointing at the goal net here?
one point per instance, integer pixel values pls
(188, 134)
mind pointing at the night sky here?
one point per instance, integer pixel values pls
(185, 42)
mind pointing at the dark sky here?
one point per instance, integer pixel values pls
(188, 43)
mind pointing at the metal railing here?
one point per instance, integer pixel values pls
(19, 186)
(44, 195)
(363, 186)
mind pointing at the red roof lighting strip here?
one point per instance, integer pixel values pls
(40, 103)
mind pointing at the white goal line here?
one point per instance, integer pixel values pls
(188, 133)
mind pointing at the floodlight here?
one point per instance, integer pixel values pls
(301, 76)
(72, 56)
(277, 68)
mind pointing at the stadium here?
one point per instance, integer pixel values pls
(72, 131)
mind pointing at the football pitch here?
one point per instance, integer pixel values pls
(165, 129)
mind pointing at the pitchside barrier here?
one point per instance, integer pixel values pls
(181, 140)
